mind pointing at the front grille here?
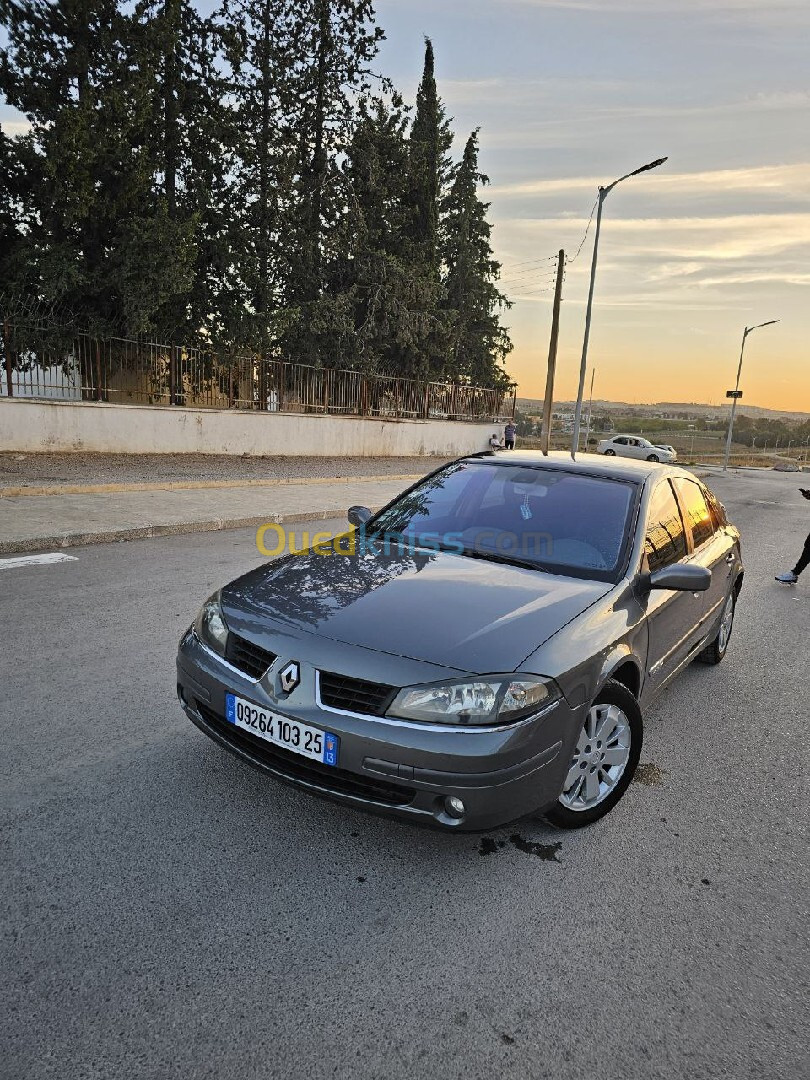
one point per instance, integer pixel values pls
(295, 767)
(355, 695)
(247, 656)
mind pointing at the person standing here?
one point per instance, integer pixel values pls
(790, 577)
(509, 435)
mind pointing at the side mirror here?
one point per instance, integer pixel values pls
(358, 515)
(683, 578)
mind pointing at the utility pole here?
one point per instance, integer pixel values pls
(552, 353)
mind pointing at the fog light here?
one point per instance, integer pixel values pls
(454, 807)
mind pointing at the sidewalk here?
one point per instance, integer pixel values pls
(103, 513)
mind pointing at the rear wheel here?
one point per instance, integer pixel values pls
(716, 649)
(603, 761)
(610, 453)
(653, 457)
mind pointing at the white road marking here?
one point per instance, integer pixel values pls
(36, 560)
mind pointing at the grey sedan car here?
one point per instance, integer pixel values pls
(481, 649)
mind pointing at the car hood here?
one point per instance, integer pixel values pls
(442, 608)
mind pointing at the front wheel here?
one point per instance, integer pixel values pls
(717, 649)
(653, 457)
(604, 759)
(610, 453)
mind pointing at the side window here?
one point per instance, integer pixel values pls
(697, 511)
(621, 442)
(665, 541)
(717, 509)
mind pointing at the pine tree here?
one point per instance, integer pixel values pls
(176, 50)
(259, 44)
(479, 343)
(15, 196)
(338, 40)
(94, 244)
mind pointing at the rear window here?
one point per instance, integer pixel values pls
(697, 511)
(560, 521)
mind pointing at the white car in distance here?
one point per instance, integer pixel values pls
(635, 447)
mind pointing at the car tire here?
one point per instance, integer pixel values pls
(610, 453)
(653, 457)
(716, 650)
(626, 712)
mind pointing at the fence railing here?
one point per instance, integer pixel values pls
(56, 364)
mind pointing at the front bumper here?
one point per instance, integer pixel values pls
(396, 768)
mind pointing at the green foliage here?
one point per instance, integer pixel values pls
(479, 343)
(429, 167)
(243, 182)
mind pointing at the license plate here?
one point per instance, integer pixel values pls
(300, 738)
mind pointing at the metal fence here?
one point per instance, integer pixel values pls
(44, 362)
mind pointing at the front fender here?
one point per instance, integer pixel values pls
(621, 655)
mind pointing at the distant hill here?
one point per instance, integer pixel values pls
(534, 406)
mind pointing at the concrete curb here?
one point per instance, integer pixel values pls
(112, 536)
(189, 485)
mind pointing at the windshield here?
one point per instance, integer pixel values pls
(548, 519)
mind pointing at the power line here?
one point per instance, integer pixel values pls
(550, 258)
(585, 236)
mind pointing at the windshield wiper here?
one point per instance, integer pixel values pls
(499, 557)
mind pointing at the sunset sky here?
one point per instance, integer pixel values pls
(575, 93)
(569, 94)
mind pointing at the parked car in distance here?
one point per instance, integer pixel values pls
(635, 447)
(482, 649)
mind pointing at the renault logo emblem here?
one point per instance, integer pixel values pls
(289, 676)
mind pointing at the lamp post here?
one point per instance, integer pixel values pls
(746, 332)
(603, 194)
(590, 410)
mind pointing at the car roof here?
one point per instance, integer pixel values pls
(616, 468)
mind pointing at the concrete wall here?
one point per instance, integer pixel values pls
(129, 429)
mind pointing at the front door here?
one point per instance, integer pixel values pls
(673, 617)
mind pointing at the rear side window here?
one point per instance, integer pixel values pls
(665, 540)
(697, 511)
(718, 511)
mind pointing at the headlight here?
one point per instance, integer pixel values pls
(491, 699)
(210, 626)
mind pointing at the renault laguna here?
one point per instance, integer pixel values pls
(482, 649)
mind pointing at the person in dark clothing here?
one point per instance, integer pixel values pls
(509, 436)
(790, 577)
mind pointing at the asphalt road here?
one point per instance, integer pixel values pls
(169, 912)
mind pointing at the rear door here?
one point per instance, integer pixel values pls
(673, 617)
(712, 547)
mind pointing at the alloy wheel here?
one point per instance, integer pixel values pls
(600, 758)
(726, 622)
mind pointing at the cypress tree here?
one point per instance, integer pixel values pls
(395, 302)
(479, 343)
(429, 165)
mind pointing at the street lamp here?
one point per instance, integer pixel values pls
(590, 410)
(746, 332)
(603, 194)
